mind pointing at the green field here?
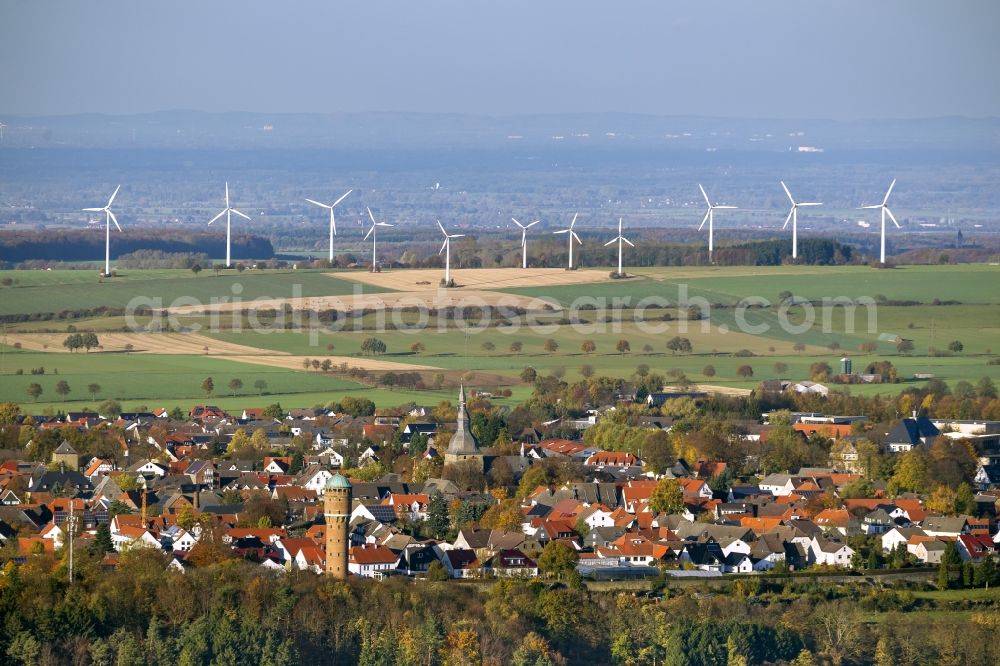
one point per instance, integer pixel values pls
(168, 380)
(967, 283)
(54, 291)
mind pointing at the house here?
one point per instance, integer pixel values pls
(372, 561)
(945, 526)
(911, 432)
(899, 535)
(98, 467)
(927, 550)
(830, 552)
(974, 547)
(416, 558)
(511, 563)
(127, 536)
(987, 477)
(201, 473)
(461, 563)
(66, 457)
(314, 479)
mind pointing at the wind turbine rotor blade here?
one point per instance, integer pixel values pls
(236, 212)
(517, 223)
(872, 206)
(575, 215)
(788, 219)
(561, 231)
(218, 216)
(457, 236)
(383, 224)
(577, 238)
(628, 242)
(812, 203)
(704, 194)
(613, 240)
(115, 220)
(227, 194)
(113, 196)
(892, 217)
(444, 245)
(341, 198)
(704, 220)
(370, 232)
(316, 203)
(92, 210)
(888, 192)
(532, 224)
(372, 217)
(726, 207)
(787, 192)
(441, 227)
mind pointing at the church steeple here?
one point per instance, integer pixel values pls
(463, 442)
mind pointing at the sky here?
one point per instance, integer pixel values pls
(838, 59)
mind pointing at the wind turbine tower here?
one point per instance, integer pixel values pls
(793, 217)
(333, 222)
(524, 240)
(228, 211)
(885, 211)
(446, 248)
(571, 236)
(371, 232)
(109, 217)
(710, 218)
(619, 239)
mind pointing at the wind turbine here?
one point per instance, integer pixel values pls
(371, 232)
(228, 213)
(619, 239)
(524, 240)
(2, 128)
(885, 211)
(446, 248)
(333, 222)
(710, 218)
(109, 217)
(571, 236)
(793, 217)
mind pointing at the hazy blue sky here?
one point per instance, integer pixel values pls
(820, 59)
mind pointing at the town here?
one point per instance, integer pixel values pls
(617, 489)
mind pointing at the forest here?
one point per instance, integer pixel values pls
(232, 612)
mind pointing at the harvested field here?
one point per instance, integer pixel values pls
(141, 343)
(296, 362)
(475, 278)
(428, 298)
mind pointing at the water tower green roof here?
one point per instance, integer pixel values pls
(338, 481)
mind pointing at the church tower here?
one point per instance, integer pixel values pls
(463, 445)
(337, 513)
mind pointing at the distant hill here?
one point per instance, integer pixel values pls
(195, 129)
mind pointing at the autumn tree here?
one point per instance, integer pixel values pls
(260, 385)
(708, 371)
(208, 386)
(623, 346)
(62, 388)
(418, 348)
(557, 558)
(516, 347)
(667, 497)
(679, 344)
(235, 384)
(588, 346)
(34, 390)
(550, 346)
(744, 372)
